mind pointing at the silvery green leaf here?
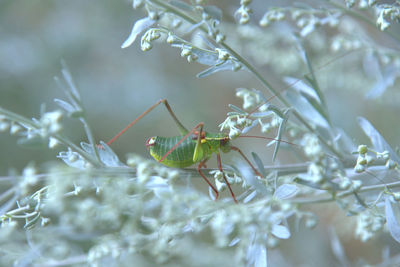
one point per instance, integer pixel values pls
(311, 94)
(385, 80)
(259, 164)
(250, 179)
(307, 183)
(107, 156)
(261, 260)
(205, 57)
(303, 106)
(262, 114)
(237, 109)
(280, 231)
(377, 140)
(281, 129)
(250, 197)
(227, 65)
(214, 12)
(392, 222)
(65, 105)
(344, 141)
(301, 86)
(194, 27)
(256, 255)
(371, 66)
(181, 5)
(139, 26)
(286, 191)
(248, 128)
(72, 159)
(70, 82)
(211, 193)
(29, 224)
(337, 248)
(234, 241)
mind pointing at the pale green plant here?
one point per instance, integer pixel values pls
(101, 211)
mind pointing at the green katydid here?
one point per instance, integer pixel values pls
(196, 145)
(191, 147)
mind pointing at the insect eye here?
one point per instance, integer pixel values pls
(150, 141)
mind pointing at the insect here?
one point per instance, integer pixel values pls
(194, 146)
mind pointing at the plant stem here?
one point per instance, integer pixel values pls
(324, 199)
(276, 93)
(24, 121)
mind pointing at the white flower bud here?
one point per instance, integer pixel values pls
(234, 133)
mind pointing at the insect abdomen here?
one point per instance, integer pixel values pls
(181, 157)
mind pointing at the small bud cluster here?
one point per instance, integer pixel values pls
(312, 147)
(145, 169)
(273, 123)
(29, 179)
(362, 4)
(340, 43)
(251, 98)
(45, 127)
(276, 14)
(235, 124)
(385, 13)
(147, 39)
(224, 56)
(244, 11)
(4, 123)
(50, 123)
(365, 158)
(368, 224)
(187, 52)
(231, 177)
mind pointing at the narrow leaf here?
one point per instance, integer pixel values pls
(205, 57)
(239, 110)
(70, 82)
(139, 26)
(65, 105)
(181, 5)
(391, 220)
(301, 86)
(305, 108)
(107, 156)
(259, 164)
(316, 105)
(286, 191)
(281, 129)
(280, 231)
(384, 81)
(338, 249)
(250, 197)
(248, 128)
(227, 65)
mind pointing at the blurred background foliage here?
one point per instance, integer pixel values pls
(119, 84)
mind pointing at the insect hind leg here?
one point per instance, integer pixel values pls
(223, 175)
(203, 164)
